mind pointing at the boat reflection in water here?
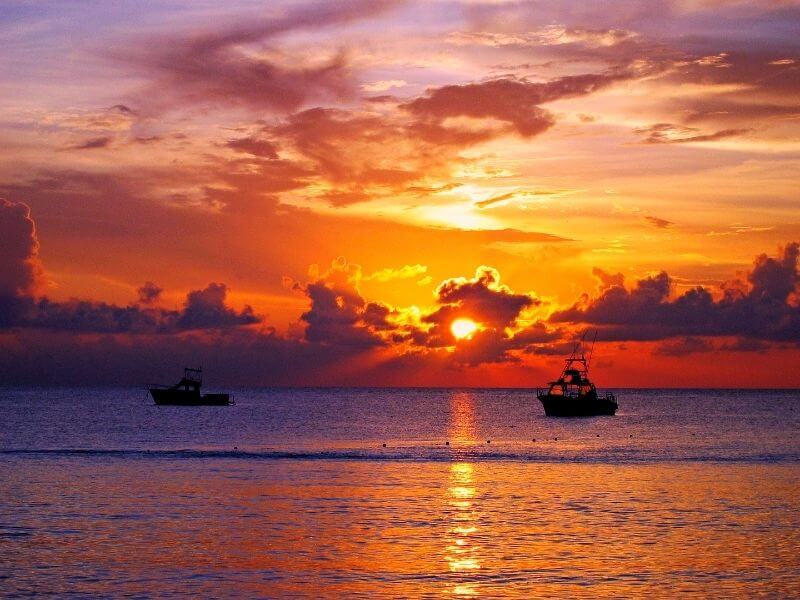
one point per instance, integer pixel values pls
(463, 554)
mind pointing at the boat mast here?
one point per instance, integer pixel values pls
(575, 357)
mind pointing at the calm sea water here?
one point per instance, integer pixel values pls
(475, 493)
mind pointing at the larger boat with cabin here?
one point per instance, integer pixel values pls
(573, 394)
(187, 392)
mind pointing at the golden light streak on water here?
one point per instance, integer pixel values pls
(462, 553)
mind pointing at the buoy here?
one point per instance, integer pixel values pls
(556, 439)
(488, 441)
(447, 443)
(534, 439)
(384, 445)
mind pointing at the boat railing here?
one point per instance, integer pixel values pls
(545, 391)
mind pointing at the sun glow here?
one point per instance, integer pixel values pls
(463, 328)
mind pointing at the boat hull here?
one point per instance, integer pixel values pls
(166, 397)
(581, 406)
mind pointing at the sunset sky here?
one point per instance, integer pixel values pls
(303, 193)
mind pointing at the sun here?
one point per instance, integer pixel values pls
(463, 328)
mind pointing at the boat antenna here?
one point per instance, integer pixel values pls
(574, 351)
(591, 350)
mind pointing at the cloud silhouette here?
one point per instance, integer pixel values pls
(511, 100)
(149, 293)
(206, 309)
(21, 272)
(92, 144)
(254, 146)
(20, 268)
(339, 315)
(491, 304)
(764, 307)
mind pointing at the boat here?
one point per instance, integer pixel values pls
(187, 392)
(573, 394)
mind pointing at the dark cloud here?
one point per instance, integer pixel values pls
(495, 200)
(20, 272)
(151, 139)
(511, 100)
(607, 280)
(744, 92)
(84, 316)
(229, 357)
(668, 133)
(73, 206)
(484, 298)
(362, 155)
(20, 268)
(92, 144)
(761, 69)
(121, 108)
(338, 314)
(764, 307)
(254, 146)
(215, 68)
(425, 190)
(494, 307)
(203, 309)
(356, 149)
(339, 317)
(149, 293)
(749, 78)
(683, 346)
(47, 342)
(746, 345)
(340, 324)
(206, 309)
(658, 222)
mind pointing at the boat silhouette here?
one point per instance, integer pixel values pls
(187, 392)
(573, 394)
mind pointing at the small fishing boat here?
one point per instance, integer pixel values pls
(187, 392)
(573, 394)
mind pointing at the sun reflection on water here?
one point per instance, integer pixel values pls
(462, 418)
(463, 554)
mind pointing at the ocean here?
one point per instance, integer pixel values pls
(400, 493)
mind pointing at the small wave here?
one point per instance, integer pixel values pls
(410, 454)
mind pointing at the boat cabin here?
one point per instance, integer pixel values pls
(191, 381)
(573, 382)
